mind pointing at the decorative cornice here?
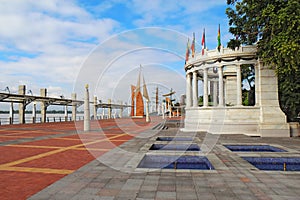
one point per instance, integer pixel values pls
(211, 57)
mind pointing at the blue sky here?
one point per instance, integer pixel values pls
(51, 43)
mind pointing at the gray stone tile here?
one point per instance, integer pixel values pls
(165, 195)
(186, 195)
(146, 194)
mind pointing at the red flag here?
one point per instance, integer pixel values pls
(193, 46)
(203, 42)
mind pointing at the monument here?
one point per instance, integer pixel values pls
(137, 101)
(220, 70)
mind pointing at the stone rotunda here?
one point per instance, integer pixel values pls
(225, 114)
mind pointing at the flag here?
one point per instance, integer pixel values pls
(203, 42)
(187, 54)
(145, 92)
(193, 46)
(219, 39)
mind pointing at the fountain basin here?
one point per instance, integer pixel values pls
(174, 139)
(175, 162)
(274, 163)
(175, 147)
(254, 148)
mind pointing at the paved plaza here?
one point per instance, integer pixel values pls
(57, 161)
(114, 175)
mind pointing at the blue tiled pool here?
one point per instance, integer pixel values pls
(174, 139)
(277, 164)
(175, 147)
(175, 162)
(254, 148)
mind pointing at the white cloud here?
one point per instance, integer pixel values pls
(48, 41)
(58, 34)
(114, 63)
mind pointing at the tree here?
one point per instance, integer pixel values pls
(248, 81)
(274, 26)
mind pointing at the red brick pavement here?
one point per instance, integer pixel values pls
(28, 167)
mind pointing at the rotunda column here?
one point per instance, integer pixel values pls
(205, 88)
(221, 86)
(195, 89)
(256, 85)
(188, 90)
(215, 95)
(238, 85)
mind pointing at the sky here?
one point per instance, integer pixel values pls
(63, 45)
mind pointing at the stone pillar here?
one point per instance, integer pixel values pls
(22, 105)
(43, 93)
(272, 120)
(163, 111)
(66, 113)
(256, 85)
(86, 122)
(205, 88)
(238, 85)
(34, 112)
(170, 109)
(188, 90)
(158, 109)
(109, 109)
(221, 86)
(95, 108)
(74, 107)
(195, 89)
(215, 95)
(103, 113)
(11, 113)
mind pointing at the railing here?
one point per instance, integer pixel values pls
(29, 120)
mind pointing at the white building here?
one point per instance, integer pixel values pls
(221, 74)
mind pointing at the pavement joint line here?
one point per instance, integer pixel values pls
(29, 139)
(22, 133)
(53, 147)
(16, 162)
(92, 149)
(9, 136)
(35, 170)
(34, 146)
(67, 139)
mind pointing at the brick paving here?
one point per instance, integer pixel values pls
(114, 174)
(33, 156)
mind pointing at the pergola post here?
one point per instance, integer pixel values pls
(43, 93)
(22, 105)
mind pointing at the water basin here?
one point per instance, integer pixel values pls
(175, 147)
(254, 148)
(174, 139)
(274, 163)
(175, 162)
